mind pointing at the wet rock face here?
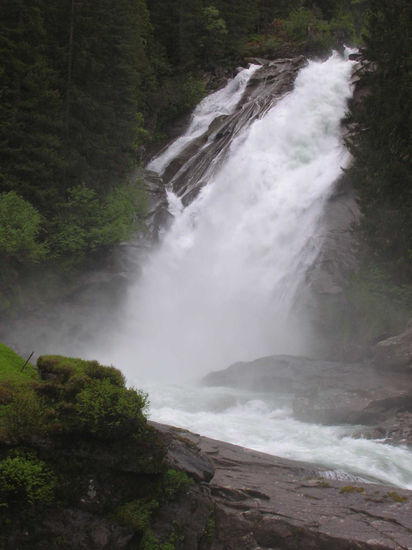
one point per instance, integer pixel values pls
(395, 352)
(256, 501)
(188, 172)
(329, 392)
(158, 216)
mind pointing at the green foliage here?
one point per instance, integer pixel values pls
(380, 135)
(136, 513)
(108, 411)
(19, 229)
(175, 482)
(91, 398)
(209, 531)
(65, 368)
(87, 222)
(151, 542)
(22, 413)
(25, 481)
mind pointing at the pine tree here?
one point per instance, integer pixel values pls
(30, 107)
(380, 137)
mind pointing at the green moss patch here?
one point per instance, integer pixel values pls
(11, 367)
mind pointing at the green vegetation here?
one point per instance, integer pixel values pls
(175, 482)
(351, 489)
(11, 367)
(380, 136)
(25, 481)
(397, 498)
(72, 434)
(88, 88)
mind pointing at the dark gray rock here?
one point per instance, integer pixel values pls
(260, 502)
(158, 216)
(187, 172)
(183, 454)
(395, 352)
(327, 392)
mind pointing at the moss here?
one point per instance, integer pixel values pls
(397, 498)
(175, 482)
(351, 489)
(323, 485)
(99, 372)
(208, 535)
(136, 513)
(11, 367)
(151, 542)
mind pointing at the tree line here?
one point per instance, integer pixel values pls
(86, 86)
(379, 139)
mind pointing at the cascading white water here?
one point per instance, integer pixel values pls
(228, 280)
(224, 284)
(222, 102)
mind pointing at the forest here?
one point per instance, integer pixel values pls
(89, 90)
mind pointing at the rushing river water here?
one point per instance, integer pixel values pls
(227, 282)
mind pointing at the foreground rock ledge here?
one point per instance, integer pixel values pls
(246, 500)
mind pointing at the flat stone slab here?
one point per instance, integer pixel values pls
(263, 502)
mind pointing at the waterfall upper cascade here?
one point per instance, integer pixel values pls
(248, 185)
(228, 280)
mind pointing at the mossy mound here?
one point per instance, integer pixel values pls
(75, 448)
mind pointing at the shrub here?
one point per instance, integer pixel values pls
(19, 229)
(25, 480)
(88, 222)
(136, 513)
(175, 482)
(99, 372)
(108, 411)
(55, 366)
(23, 415)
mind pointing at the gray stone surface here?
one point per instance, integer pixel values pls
(395, 352)
(256, 501)
(187, 172)
(328, 392)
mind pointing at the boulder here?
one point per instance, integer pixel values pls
(326, 392)
(395, 352)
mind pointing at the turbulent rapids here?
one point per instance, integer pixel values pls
(248, 184)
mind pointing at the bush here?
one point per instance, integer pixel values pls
(136, 513)
(25, 481)
(99, 372)
(108, 411)
(19, 229)
(88, 223)
(175, 482)
(22, 415)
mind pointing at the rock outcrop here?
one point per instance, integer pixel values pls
(188, 172)
(255, 501)
(329, 392)
(395, 352)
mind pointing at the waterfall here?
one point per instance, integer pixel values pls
(222, 102)
(227, 282)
